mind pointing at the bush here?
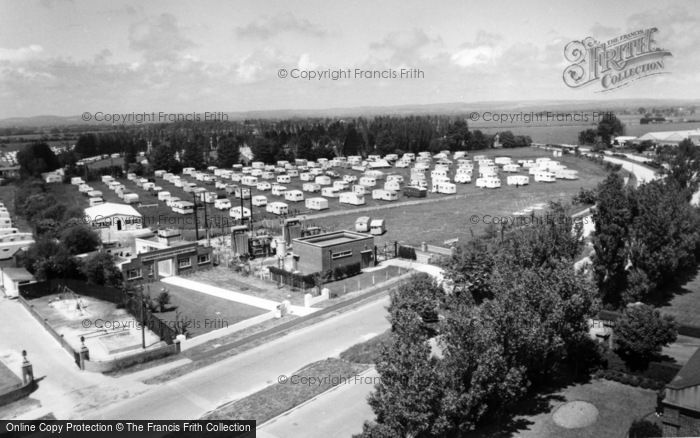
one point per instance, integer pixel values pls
(644, 429)
(407, 252)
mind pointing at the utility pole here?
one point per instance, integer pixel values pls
(196, 221)
(206, 221)
(143, 317)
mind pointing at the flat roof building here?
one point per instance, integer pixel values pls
(328, 251)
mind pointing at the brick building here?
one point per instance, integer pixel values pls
(165, 255)
(328, 251)
(681, 403)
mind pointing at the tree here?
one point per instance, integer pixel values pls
(163, 299)
(587, 137)
(193, 155)
(612, 218)
(644, 428)
(163, 157)
(100, 269)
(663, 237)
(641, 332)
(227, 152)
(48, 259)
(407, 398)
(79, 239)
(264, 150)
(37, 158)
(608, 127)
(684, 166)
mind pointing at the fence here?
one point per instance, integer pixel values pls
(104, 293)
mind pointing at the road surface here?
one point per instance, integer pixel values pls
(339, 413)
(192, 395)
(63, 389)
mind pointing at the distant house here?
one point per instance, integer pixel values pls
(681, 403)
(53, 177)
(12, 278)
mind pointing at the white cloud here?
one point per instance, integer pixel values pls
(20, 54)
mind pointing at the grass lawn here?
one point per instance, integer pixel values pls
(368, 351)
(281, 397)
(227, 279)
(684, 303)
(205, 312)
(617, 404)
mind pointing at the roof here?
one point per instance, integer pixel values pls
(689, 375)
(110, 209)
(377, 223)
(18, 274)
(674, 136)
(333, 238)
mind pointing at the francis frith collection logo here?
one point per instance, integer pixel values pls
(615, 63)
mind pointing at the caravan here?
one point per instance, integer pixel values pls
(163, 196)
(294, 195)
(544, 176)
(518, 180)
(488, 182)
(351, 198)
(96, 201)
(278, 190)
(341, 185)
(284, 179)
(392, 185)
(239, 213)
(131, 198)
(249, 180)
(305, 176)
(317, 203)
(264, 186)
(330, 192)
(311, 187)
(368, 181)
(463, 177)
(222, 204)
(323, 180)
(358, 189)
(278, 208)
(259, 200)
(183, 207)
(446, 188)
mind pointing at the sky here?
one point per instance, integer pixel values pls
(66, 57)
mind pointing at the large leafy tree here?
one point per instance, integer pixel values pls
(664, 236)
(608, 127)
(193, 156)
(683, 166)
(227, 152)
(100, 269)
(612, 218)
(36, 158)
(641, 332)
(79, 239)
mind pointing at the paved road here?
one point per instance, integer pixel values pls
(338, 413)
(642, 173)
(192, 395)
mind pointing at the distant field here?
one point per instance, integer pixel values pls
(568, 134)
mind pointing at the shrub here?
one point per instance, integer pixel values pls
(407, 252)
(644, 429)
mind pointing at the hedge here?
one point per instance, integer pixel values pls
(341, 272)
(407, 252)
(293, 279)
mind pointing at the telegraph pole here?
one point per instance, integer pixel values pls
(196, 221)
(206, 221)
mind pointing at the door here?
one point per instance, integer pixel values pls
(165, 268)
(366, 258)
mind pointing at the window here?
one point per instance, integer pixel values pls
(203, 259)
(133, 273)
(341, 254)
(184, 263)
